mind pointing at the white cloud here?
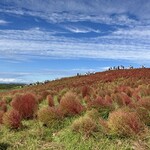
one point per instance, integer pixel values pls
(9, 80)
(80, 29)
(24, 45)
(71, 10)
(3, 22)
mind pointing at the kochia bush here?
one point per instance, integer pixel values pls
(26, 105)
(125, 123)
(12, 119)
(1, 116)
(3, 106)
(70, 104)
(50, 100)
(50, 115)
(84, 125)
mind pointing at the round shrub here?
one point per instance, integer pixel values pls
(84, 125)
(50, 115)
(26, 104)
(70, 104)
(12, 119)
(125, 123)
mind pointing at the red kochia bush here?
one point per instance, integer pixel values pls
(99, 102)
(26, 105)
(70, 104)
(3, 106)
(85, 91)
(50, 100)
(12, 119)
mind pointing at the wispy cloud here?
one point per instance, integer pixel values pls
(81, 29)
(3, 22)
(7, 80)
(32, 44)
(70, 10)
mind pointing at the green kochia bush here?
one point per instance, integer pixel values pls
(84, 125)
(49, 116)
(26, 105)
(142, 107)
(87, 124)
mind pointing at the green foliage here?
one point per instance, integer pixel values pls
(84, 125)
(142, 107)
(50, 116)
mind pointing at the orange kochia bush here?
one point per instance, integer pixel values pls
(125, 123)
(25, 104)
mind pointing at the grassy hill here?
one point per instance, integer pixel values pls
(102, 111)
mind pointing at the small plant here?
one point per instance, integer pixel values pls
(26, 105)
(12, 119)
(3, 106)
(50, 115)
(108, 99)
(8, 99)
(1, 116)
(100, 102)
(142, 107)
(44, 94)
(125, 123)
(84, 125)
(93, 113)
(70, 104)
(125, 98)
(50, 100)
(85, 91)
(103, 106)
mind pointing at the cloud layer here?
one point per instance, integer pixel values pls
(74, 29)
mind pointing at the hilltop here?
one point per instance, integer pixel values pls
(88, 80)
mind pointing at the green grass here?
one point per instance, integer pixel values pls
(34, 136)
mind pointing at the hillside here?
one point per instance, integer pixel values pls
(88, 80)
(106, 110)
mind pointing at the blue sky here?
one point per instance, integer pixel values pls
(47, 39)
